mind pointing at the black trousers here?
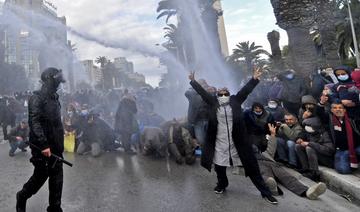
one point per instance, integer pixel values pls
(257, 180)
(43, 170)
(126, 140)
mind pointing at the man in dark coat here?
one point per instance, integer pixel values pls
(226, 146)
(47, 133)
(125, 121)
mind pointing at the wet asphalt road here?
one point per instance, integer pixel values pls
(119, 182)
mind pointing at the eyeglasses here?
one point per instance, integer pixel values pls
(223, 94)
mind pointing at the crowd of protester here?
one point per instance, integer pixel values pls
(289, 123)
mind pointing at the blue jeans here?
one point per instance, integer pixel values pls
(342, 162)
(17, 144)
(286, 151)
(200, 128)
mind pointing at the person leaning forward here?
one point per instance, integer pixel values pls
(227, 143)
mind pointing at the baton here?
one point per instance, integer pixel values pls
(57, 158)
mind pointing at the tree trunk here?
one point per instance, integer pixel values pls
(327, 27)
(301, 50)
(274, 39)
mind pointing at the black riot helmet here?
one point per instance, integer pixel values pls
(52, 77)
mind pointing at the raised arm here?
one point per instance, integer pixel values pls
(241, 96)
(201, 91)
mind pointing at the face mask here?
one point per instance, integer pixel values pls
(290, 76)
(70, 113)
(309, 129)
(258, 113)
(272, 105)
(223, 100)
(343, 77)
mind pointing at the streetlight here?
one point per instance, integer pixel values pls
(357, 55)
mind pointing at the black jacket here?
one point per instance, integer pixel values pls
(239, 133)
(46, 128)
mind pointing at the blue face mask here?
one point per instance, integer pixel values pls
(343, 77)
(290, 76)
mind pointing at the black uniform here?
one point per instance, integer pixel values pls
(46, 131)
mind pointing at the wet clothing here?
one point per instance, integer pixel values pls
(225, 151)
(238, 134)
(181, 144)
(46, 131)
(153, 142)
(125, 121)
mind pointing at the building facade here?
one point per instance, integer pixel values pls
(30, 44)
(95, 74)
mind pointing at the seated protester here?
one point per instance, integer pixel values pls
(276, 110)
(17, 138)
(287, 135)
(274, 173)
(153, 142)
(314, 147)
(97, 136)
(257, 120)
(181, 143)
(346, 137)
(308, 107)
(341, 93)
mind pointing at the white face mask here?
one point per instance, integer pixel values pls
(309, 129)
(272, 105)
(343, 77)
(223, 100)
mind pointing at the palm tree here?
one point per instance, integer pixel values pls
(249, 52)
(297, 18)
(102, 60)
(325, 35)
(167, 8)
(344, 35)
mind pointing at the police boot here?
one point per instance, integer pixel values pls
(20, 202)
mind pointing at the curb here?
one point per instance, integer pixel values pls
(348, 185)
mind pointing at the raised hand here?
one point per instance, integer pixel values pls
(192, 75)
(257, 73)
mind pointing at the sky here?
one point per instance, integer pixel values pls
(245, 20)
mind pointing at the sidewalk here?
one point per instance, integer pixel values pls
(342, 184)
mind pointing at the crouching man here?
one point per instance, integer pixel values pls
(17, 138)
(153, 142)
(181, 144)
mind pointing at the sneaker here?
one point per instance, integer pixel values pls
(315, 191)
(219, 190)
(272, 185)
(11, 154)
(271, 200)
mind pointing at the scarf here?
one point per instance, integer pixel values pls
(350, 139)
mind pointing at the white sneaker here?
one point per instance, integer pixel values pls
(272, 185)
(315, 191)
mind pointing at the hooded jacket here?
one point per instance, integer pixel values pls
(307, 99)
(343, 93)
(319, 140)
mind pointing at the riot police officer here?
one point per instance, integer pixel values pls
(47, 133)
